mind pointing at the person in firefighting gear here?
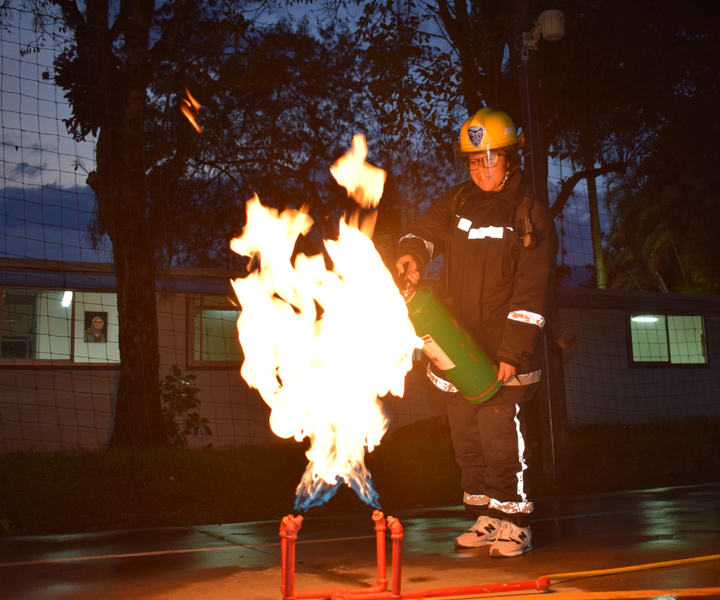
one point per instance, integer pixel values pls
(499, 261)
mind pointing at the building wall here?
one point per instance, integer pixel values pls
(66, 407)
(48, 408)
(237, 415)
(601, 387)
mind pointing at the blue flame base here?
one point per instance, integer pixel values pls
(321, 492)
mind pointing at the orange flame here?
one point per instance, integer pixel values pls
(323, 345)
(190, 109)
(363, 181)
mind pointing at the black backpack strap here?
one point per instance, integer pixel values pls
(523, 224)
(456, 205)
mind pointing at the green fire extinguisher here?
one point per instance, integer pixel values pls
(451, 349)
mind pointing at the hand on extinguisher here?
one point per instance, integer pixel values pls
(505, 371)
(407, 266)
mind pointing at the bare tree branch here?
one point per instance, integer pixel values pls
(568, 185)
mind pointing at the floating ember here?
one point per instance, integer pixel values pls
(190, 108)
(323, 345)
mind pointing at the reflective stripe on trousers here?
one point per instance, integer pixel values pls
(511, 508)
(519, 506)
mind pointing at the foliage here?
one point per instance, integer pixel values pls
(188, 45)
(434, 61)
(665, 209)
(5, 527)
(81, 491)
(590, 84)
(275, 114)
(412, 80)
(281, 102)
(280, 114)
(622, 73)
(180, 397)
(663, 225)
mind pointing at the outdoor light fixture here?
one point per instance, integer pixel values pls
(67, 299)
(644, 319)
(550, 25)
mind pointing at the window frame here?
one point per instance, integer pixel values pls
(191, 306)
(9, 363)
(659, 364)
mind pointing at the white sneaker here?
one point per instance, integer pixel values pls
(482, 533)
(511, 540)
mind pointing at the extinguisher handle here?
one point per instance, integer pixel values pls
(402, 283)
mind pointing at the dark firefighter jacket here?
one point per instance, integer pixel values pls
(498, 290)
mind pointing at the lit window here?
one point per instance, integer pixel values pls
(673, 339)
(35, 325)
(215, 338)
(58, 325)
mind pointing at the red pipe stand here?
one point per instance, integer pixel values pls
(290, 526)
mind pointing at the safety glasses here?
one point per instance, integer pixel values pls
(488, 160)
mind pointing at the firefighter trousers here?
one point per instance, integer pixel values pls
(491, 449)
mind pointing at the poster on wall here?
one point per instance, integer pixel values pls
(95, 327)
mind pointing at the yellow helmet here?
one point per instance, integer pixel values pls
(486, 130)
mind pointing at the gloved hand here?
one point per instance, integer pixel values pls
(407, 266)
(505, 371)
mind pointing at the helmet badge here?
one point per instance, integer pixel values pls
(476, 133)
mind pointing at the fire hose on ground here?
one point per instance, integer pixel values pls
(563, 577)
(290, 526)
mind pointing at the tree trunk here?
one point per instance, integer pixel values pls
(122, 204)
(138, 413)
(595, 231)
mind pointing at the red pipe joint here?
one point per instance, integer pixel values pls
(290, 525)
(380, 528)
(396, 533)
(289, 528)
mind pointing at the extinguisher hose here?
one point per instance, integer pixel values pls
(562, 577)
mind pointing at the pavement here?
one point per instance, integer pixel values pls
(615, 534)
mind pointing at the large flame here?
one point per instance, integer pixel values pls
(323, 345)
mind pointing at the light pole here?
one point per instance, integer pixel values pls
(550, 27)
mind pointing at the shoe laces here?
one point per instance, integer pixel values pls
(510, 531)
(481, 524)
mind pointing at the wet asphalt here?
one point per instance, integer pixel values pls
(238, 561)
